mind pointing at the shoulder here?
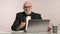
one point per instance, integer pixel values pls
(35, 13)
(19, 13)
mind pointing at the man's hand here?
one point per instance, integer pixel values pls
(21, 25)
(49, 27)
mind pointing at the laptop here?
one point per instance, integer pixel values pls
(37, 25)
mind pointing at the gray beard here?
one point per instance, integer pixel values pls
(28, 13)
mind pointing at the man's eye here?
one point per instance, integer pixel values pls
(27, 6)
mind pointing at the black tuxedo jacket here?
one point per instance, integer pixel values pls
(21, 17)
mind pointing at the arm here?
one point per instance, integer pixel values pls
(40, 16)
(19, 22)
(16, 22)
(20, 26)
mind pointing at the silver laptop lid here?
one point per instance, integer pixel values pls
(38, 25)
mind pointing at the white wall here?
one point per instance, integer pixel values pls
(49, 9)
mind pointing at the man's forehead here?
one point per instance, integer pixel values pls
(27, 4)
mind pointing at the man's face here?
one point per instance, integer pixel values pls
(27, 7)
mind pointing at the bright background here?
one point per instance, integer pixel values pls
(49, 9)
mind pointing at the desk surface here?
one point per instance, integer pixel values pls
(21, 32)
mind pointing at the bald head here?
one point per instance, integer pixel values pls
(27, 4)
(27, 7)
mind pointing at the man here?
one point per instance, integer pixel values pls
(20, 21)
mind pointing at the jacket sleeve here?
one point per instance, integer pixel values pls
(39, 16)
(16, 22)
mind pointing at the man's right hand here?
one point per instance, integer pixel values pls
(21, 25)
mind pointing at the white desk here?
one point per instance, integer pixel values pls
(21, 32)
